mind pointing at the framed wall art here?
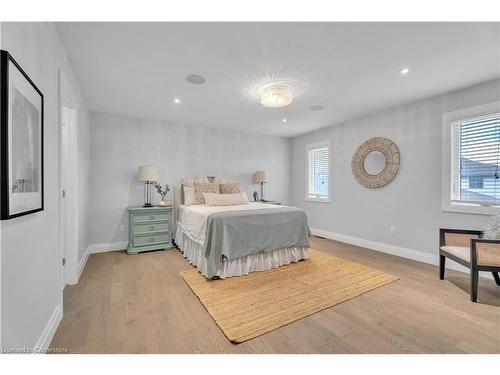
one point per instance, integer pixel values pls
(21, 141)
(376, 162)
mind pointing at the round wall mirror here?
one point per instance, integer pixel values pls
(375, 162)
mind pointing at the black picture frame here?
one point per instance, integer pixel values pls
(6, 211)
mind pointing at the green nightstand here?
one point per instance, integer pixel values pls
(150, 228)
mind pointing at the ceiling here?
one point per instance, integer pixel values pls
(351, 69)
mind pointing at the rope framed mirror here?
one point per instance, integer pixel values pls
(376, 162)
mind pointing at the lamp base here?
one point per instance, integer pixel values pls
(147, 194)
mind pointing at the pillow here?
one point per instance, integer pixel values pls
(231, 188)
(188, 194)
(204, 187)
(222, 180)
(190, 181)
(214, 199)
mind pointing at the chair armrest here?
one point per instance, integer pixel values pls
(457, 237)
(461, 231)
(485, 252)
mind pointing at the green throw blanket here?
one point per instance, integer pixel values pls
(235, 234)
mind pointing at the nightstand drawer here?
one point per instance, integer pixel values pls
(151, 217)
(151, 227)
(151, 239)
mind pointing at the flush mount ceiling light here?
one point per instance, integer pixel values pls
(284, 119)
(275, 95)
(177, 100)
(196, 79)
(404, 71)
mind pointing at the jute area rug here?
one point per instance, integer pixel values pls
(249, 306)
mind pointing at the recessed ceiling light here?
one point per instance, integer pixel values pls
(196, 79)
(317, 107)
(284, 119)
(404, 71)
(177, 100)
(275, 95)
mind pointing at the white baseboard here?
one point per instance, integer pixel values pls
(49, 331)
(81, 265)
(108, 246)
(95, 249)
(403, 252)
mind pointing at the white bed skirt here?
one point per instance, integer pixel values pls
(194, 254)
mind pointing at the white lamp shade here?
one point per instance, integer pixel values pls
(260, 176)
(147, 173)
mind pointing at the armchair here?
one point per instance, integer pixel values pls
(470, 250)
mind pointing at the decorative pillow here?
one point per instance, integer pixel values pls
(190, 181)
(231, 188)
(222, 180)
(188, 194)
(204, 187)
(214, 199)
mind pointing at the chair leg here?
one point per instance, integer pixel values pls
(474, 280)
(496, 277)
(442, 261)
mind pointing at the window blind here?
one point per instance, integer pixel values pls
(319, 166)
(475, 160)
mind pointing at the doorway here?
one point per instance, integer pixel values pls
(68, 183)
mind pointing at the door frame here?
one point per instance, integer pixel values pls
(68, 183)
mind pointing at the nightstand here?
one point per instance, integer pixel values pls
(149, 229)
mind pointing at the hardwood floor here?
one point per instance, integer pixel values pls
(140, 304)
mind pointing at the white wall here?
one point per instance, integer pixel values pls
(120, 144)
(412, 201)
(31, 295)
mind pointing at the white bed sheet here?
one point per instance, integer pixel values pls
(193, 219)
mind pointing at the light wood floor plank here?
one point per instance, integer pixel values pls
(140, 304)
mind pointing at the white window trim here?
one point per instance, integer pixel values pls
(316, 145)
(448, 119)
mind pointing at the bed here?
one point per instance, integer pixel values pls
(226, 241)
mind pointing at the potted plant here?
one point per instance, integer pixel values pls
(163, 192)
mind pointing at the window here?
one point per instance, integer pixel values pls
(318, 172)
(476, 182)
(473, 160)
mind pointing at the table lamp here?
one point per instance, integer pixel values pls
(260, 177)
(148, 175)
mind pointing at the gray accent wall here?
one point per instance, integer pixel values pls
(31, 293)
(412, 201)
(119, 144)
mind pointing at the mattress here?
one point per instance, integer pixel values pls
(242, 238)
(194, 254)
